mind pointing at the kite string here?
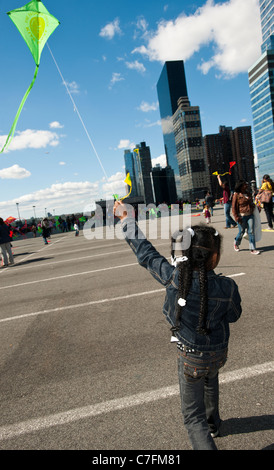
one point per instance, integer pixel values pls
(79, 115)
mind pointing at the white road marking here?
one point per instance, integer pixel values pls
(85, 304)
(17, 267)
(76, 414)
(81, 274)
(67, 275)
(92, 302)
(32, 254)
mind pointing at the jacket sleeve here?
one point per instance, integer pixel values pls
(235, 207)
(146, 254)
(235, 309)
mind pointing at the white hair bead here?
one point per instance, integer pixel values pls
(175, 261)
(182, 302)
(191, 231)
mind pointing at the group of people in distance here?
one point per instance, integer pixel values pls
(242, 205)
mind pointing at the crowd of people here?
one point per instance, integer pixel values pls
(243, 203)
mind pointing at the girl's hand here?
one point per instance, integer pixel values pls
(119, 210)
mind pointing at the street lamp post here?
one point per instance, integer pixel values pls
(17, 204)
(34, 212)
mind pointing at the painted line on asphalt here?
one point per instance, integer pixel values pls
(92, 302)
(79, 274)
(32, 254)
(66, 276)
(18, 267)
(75, 306)
(77, 414)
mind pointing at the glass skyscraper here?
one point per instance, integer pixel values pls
(170, 87)
(193, 169)
(261, 83)
(138, 165)
(266, 12)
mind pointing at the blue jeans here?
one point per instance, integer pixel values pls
(247, 223)
(199, 388)
(228, 219)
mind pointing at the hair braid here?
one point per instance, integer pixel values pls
(185, 280)
(202, 329)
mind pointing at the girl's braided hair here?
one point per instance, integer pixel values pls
(198, 257)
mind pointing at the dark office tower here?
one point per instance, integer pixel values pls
(143, 163)
(261, 86)
(243, 151)
(131, 168)
(170, 87)
(191, 158)
(164, 185)
(229, 146)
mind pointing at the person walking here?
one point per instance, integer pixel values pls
(209, 200)
(76, 228)
(45, 230)
(5, 244)
(243, 211)
(207, 214)
(267, 189)
(227, 203)
(199, 305)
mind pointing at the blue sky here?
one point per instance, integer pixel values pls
(110, 55)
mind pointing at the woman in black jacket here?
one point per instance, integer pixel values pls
(5, 244)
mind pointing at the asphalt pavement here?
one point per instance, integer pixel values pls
(85, 355)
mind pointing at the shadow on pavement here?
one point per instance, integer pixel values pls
(248, 425)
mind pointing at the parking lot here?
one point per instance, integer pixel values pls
(85, 353)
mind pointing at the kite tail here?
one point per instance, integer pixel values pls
(10, 136)
(122, 198)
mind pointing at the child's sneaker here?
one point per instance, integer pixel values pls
(255, 252)
(236, 248)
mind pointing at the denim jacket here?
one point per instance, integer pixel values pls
(224, 301)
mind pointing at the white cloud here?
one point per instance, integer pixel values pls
(110, 30)
(31, 139)
(142, 24)
(73, 87)
(62, 163)
(116, 77)
(126, 144)
(14, 173)
(136, 65)
(152, 124)
(167, 125)
(115, 185)
(232, 28)
(55, 125)
(65, 197)
(161, 160)
(146, 107)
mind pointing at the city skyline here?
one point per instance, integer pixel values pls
(111, 64)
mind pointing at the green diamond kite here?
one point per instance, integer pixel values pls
(35, 24)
